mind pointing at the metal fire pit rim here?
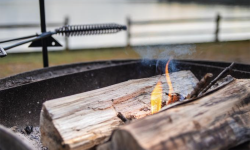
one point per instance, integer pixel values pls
(207, 61)
(58, 67)
(7, 136)
(34, 73)
(67, 66)
(218, 67)
(52, 78)
(199, 61)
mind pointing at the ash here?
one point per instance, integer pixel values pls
(34, 138)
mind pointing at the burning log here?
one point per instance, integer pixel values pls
(214, 122)
(85, 120)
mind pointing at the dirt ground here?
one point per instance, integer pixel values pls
(238, 51)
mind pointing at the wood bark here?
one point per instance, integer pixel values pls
(84, 120)
(215, 122)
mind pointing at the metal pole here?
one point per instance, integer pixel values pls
(66, 22)
(43, 29)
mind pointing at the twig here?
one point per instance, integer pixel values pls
(224, 72)
(200, 85)
(122, 117)
(231, 79)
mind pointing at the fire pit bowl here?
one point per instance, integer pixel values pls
(22, 95)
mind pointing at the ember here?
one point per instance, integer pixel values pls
(174, 97)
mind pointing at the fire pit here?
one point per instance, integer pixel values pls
(22, 98)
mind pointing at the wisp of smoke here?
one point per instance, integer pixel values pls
(162, 53)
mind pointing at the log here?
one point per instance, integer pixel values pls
(85, 120)
(215, 122)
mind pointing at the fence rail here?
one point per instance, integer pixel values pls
(30, 25)
(217, 20)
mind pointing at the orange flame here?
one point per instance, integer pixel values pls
(171, 90)
(156, 98)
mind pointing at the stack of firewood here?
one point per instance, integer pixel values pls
(118, 117)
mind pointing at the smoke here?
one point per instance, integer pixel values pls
(162, 53)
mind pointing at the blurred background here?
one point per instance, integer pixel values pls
(187, 29)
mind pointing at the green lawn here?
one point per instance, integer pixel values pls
(17, 63)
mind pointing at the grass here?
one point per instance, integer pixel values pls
(22, 62)
(16, 63)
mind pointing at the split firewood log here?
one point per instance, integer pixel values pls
(215, 122)
(82, 121)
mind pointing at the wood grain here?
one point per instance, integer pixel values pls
(215, 122)
(84, 120)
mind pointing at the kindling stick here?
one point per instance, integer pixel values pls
(224, 72)
(200, 85)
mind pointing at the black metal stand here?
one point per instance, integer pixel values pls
(43, 29)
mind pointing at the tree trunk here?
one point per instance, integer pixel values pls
(84, 120)
(215, 122)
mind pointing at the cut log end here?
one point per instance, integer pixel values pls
(49, 134)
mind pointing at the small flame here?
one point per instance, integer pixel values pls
(156, 98)
(169, 84)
